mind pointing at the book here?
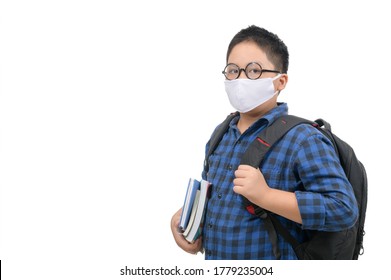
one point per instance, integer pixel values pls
(194, 229)
(192, 188)
(193, 212)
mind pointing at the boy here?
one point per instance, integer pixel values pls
(301, 179)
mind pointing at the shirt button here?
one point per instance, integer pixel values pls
(219, 195)
(229, 167)
(210, 225)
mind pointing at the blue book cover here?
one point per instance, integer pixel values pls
(191, 191)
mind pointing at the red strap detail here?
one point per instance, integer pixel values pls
(263, 142)
(251, 209)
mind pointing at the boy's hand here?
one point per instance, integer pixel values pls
(192, 248)
(250, 183)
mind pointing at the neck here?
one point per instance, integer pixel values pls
(247, 119)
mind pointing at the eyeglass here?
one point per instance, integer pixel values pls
(253, 71)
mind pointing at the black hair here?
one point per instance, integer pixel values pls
(275, 49)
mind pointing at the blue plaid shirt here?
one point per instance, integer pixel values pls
(303, 162)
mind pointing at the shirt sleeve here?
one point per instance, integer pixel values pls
(204, 173)
(326, 201)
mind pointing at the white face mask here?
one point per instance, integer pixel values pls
(246, 94)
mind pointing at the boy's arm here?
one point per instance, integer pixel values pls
(327, 201)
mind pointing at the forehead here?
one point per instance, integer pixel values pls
(246, 52)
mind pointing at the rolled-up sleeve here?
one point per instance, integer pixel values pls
(326, 201)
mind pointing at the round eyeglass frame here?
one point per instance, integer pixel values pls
(245, 71)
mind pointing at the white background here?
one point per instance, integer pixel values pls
(106, 107)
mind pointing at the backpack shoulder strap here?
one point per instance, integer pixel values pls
(217, 136)
(268, 137)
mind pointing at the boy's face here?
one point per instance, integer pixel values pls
(244, 53)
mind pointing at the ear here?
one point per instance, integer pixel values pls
(281, 82)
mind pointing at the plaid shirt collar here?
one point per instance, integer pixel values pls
(278, 111)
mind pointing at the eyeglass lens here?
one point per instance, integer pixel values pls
(253, 71)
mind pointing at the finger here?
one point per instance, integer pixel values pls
(198, 245)
(239, 182)
(240, 173)
(244, 170)
(193, 248)
(238, 189)
(245, 167)
(176, 219)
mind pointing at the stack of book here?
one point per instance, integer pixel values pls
(193, 210)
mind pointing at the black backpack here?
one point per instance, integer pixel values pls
(342, 245)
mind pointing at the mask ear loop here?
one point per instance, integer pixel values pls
(275, 78)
